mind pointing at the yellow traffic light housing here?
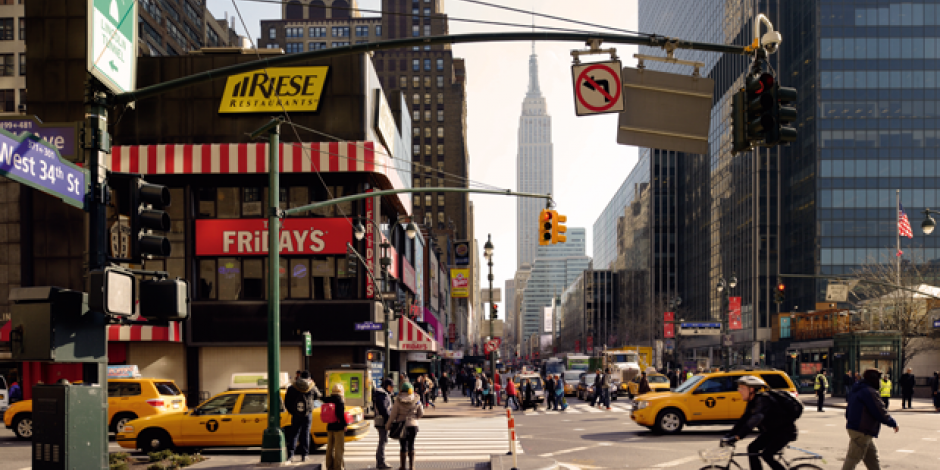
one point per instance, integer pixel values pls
(546, 224)
(558, 229)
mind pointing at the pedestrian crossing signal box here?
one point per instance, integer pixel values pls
(52, 324)
(69, 427)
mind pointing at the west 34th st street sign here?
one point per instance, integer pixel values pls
(29, 160)
(112, 42)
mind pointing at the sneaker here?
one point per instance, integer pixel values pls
(608, 408)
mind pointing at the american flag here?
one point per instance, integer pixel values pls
(904, 225)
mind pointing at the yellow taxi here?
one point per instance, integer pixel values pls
(570, 378)
(658, 383)
(703, 399)
(235, 418)
(128, 399)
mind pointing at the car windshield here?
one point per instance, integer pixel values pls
(659, 379)
(624, 357)
(536, 382)
(572, 376)
(554, 367)
(689, 383)
(167, 388)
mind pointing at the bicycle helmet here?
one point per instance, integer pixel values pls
(751, 381)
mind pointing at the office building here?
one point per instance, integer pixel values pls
(177, 28)
(314, 24)
(589, 317)
(534, 165)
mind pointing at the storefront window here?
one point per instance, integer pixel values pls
(207, 283)
(301, 278)
(229, 278)
(227, 203)
(206, 202)
(253, 282)
(251, 202)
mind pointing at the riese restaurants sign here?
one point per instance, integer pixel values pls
(266, 90)
(249, 237)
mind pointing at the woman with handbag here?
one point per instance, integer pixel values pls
(404, 418)
(488, 393)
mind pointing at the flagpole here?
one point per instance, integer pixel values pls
(898, 235)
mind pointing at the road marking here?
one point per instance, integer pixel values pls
(830, 425)
(906, 451)
(578, 429)
(566, 451)
(677, 462)
(930, 439)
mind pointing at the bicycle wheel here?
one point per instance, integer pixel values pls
(806, 466)
(714, 467)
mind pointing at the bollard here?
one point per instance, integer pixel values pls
(512, 438)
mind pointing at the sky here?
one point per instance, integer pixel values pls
(589, 164)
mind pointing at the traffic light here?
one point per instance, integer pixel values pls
(760, 108)
(546, 222)
(374, 356)
(739, 140)
(779, 293)
(558, 229)
(494, 311)
(142, 204)
(784, 114)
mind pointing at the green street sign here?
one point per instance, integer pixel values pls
(112, 43)
(308, 344)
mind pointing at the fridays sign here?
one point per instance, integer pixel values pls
(249, 237)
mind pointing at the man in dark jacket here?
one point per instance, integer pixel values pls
(445, 386)
(907, 388)
(762, 412)
(864, 416)
(383, 406)
(550, 392)
(848, 381)
(299, 403)
(597, 388)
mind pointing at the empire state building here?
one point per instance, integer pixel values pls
(533, 164)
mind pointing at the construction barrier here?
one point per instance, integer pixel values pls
(512, 438)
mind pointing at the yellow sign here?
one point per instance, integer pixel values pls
(460, 283)
(266, 90)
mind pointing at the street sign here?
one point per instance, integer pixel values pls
(699, 328)
(308, 344)
(29, 160)
(112, 43)
(497, 295)
(491, 345)
(936, 323)
(61, 135)
(368, 326)
(598, 88)
(727, 341)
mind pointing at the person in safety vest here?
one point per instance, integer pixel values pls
(820, 387)
(885, 390)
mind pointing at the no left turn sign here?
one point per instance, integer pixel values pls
(597, 88)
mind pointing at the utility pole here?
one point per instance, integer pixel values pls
(488, 253)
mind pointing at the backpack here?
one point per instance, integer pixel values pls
(790, 407)
(328, 413)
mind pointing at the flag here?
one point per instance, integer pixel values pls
(904, 225)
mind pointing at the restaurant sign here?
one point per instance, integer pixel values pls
(249, 237)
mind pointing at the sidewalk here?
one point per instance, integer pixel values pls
(918, 405)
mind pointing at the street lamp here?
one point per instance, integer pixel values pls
(359, 231)
(488, 253)
(929, 224)
(724, 288)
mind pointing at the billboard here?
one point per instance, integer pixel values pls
(460, 283)
(547, 319)
(734, 313)
(462, 253)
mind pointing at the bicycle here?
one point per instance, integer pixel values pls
(725, 453)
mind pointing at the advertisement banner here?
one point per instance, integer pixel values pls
(250, 92)
(460, 283)
(547, 319)
(370, 246)
(669, 329)
(462, 253)
(249, 237)
(734, 313)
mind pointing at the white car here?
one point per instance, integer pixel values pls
(537, 389)
(4, 396)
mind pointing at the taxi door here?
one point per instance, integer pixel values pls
(251, 420)
(210, 424)
(711, 400)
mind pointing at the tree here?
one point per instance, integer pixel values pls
(883, 306)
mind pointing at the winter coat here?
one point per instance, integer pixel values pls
(383, 406)
(528, 394)
(510, 388)
(560, 388)
(644, 386)
(407, 408)
(340, 405)
(550, 385)
(478, 386)
(866, 412)
(300, 396)
(763, 413)
(445, 383)
(907, 383)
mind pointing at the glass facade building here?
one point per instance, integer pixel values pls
(555, 268)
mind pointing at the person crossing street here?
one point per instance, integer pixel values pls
(511, 395)
(549, 393)
(298, 400)
(383, 405)
(820, 385)
(445, 385)
(864, 416)
(605, 389)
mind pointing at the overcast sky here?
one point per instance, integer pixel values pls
(589, 164)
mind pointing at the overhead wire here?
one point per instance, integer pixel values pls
(556, 18)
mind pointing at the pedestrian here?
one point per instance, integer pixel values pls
(671, 374)
(605, 388)
(935, 390)
(863, 419)
(407, 409)
(596, 396)
(559, 393)
(431, 383)
(478, 390)
(528, 396)
(848, 381)
(488, 393)
(382, 398)
(644, 385)
(820, 385)
(511, 395)
(421, 389)
(550, 393)
(907, 388)
(885, 389)
(299, 403)
(16, 392)
(336, 431)
(444, 384)
(497, 389)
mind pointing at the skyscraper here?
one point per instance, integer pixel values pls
(533, 164)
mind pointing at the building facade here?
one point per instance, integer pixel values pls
(534, 165)
(315, 25)
(590, 310)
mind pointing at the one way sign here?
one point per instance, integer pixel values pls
(597, 88)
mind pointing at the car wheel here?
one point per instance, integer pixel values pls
(670, 421)
(23, 426)
(119, 420)
(154, 440)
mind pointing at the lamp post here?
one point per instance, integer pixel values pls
(724, 289)
(488, 253)
(929, 224)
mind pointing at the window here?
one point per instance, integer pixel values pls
(416, 116)
(6, 65)
(364, 41)
(272, 33)
(362, 31)
(316, 46)
(340, 31)
(440, 132)
(221, 405)
(440, 217)
(317, 32)
(294, 47)
(427, 98)
(427, 149)
(416, 81)
(440, 65)
(417, 149)
(440, 200)
(440, 149)
(415, 31)
(22, 97)
(417, 183)
(427, 200)
(427, 12)
(416, 65)
(427, 132)
(775, 381)
(416, 99)
(440, 115)
(427, 30)
(6, 29)
(427, 81)
(22, 29)
(403, 82)
(273, 46)
(254, 403)
(417, 132)
(427, 184)
(440, 98)
(440, 81)
(427, 116)
(339, 44)
(23, 64)
(417, 201)
(427, 65)
(294, 32)
(716, 385)
(440, 166)
(378, 30)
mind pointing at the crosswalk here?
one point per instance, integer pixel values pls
(462, 439)
(581, 407)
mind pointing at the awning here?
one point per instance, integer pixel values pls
(5, 331)
(172, 333)
(412, 338)
(307, 157)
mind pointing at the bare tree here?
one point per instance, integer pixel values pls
(883, 306)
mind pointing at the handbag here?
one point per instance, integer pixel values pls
(395, 429)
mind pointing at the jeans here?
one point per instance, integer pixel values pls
(605, 397)
(407, 440)
(768, 445)
(299, 430)
(380, 450)
(444, 394)
(515, 401)
(887, 401)
(550, 400)
(861, 448)
(335, 448)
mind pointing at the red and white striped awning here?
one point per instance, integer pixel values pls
(172, 333)
(218, 159)
(412, 338)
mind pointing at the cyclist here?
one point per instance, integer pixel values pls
(762, 412)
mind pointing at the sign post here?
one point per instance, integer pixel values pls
(112, 42)
(598, 88)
